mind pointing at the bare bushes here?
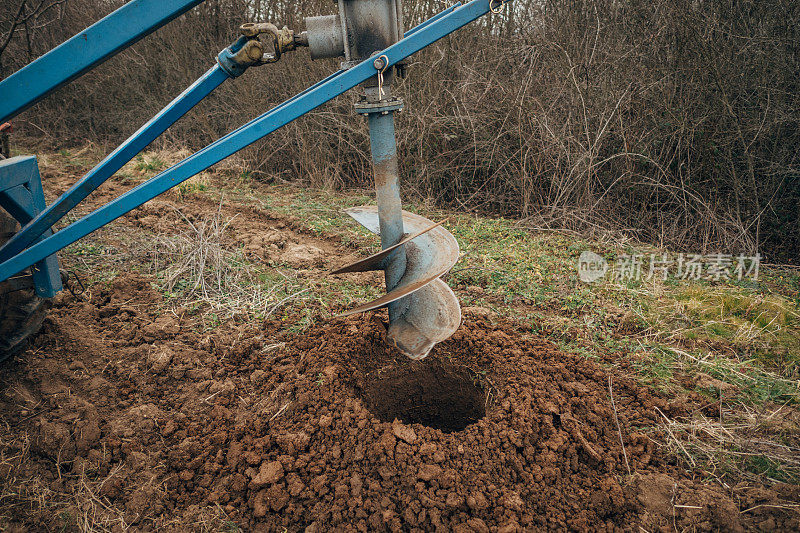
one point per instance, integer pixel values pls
(642, 118)
(671, 122)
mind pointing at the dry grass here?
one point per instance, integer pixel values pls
(748, 430)
(94, 513)
(203, 270)
(741, 442)
(747, 321)
(74, 505)
(206, 519)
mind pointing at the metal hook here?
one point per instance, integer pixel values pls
(381, 63)
(496, 6)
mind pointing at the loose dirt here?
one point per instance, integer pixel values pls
(331, 429)
(123, 416)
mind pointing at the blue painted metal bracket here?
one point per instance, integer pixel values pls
(84, 51)
(22, 196)
(332, 86)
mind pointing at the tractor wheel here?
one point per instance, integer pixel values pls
(21, 311)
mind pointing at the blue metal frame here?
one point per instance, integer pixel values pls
(114, 161)
(22, 196)
(86, 50)
(334, 85)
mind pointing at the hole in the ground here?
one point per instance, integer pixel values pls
(431, 393)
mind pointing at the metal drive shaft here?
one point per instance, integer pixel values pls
(387, 192)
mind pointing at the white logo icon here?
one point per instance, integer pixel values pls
(591, 267)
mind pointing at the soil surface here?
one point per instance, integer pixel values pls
(161, 425)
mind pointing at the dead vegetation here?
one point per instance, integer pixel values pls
(741, 442)
(205, 271)
(70, 502)
(674, 123)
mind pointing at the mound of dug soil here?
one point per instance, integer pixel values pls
(330, 430)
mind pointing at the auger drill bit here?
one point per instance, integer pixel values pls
(423, 310)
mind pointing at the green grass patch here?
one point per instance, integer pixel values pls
(148, 163)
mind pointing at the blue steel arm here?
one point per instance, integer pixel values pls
(114, 161)
(242, 137)
(84, 51)
(434, 18)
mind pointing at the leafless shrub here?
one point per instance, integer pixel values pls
(674, 122)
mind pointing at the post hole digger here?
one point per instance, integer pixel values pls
(368, 34)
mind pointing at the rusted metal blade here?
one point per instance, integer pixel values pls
(375, 261)
(428, 256)
(431, 315)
